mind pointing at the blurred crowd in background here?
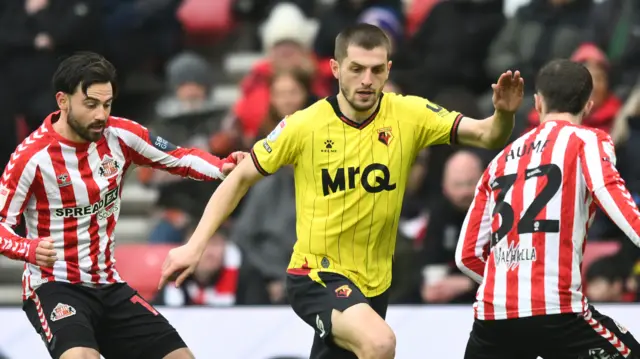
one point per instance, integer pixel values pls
(170, 57)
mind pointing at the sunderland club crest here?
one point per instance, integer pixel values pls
(109, 167)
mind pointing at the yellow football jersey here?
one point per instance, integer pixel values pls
(350, 180)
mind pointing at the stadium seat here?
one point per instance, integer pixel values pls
(417, 13)
(206, 17)
(140, 265)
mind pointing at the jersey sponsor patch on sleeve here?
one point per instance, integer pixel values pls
(266, 146)
(434, 108)
(161, 144)
(276, 131)
(610, 153)
(437, 109)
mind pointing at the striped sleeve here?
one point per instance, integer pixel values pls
(15, 191)
(475, 236)
(145, 149)
(598, 160)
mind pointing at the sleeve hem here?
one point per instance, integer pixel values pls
(256, 163)
(453, 135)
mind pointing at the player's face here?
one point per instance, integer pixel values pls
(362, 76)
(87, 114)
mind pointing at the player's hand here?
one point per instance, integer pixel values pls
(508, 92)
(180, 262)
(238, 156)
(42, 253)
(232, 161)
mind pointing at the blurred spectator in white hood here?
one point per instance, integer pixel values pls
(287, 36)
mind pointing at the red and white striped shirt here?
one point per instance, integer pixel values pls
(524, 235)
(71, 192)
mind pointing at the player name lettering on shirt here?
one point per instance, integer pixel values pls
(525, 149)
(104, 208)
(513, 255)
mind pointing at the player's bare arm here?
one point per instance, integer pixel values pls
(225, 199)
(494, 131)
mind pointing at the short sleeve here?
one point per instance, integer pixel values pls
(278, 149)
(436, 124)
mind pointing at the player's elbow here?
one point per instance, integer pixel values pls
(495, 131)
(464, 264)
(470, 267)
(488, 133)
(245, 174)
(459, 255)
(492, 139)
(460, 263)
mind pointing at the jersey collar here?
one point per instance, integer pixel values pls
(333, 101)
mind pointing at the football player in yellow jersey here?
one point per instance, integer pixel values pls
(351, 154)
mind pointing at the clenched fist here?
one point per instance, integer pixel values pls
(42, 252)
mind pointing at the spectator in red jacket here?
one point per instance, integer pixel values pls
(291, 91)
(606, 104)
(287, 36)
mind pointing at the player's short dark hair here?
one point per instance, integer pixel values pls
(565, 86)
(362, 35)
(85, 69)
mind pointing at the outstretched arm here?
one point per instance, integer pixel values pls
(146, 149)
(224, 200)
(280, 148)
(494, 132)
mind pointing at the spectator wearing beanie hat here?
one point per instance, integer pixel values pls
(605, 103)
(287, 36)
(387, 20)
(190, 82)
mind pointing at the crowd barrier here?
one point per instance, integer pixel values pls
(274, 333)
